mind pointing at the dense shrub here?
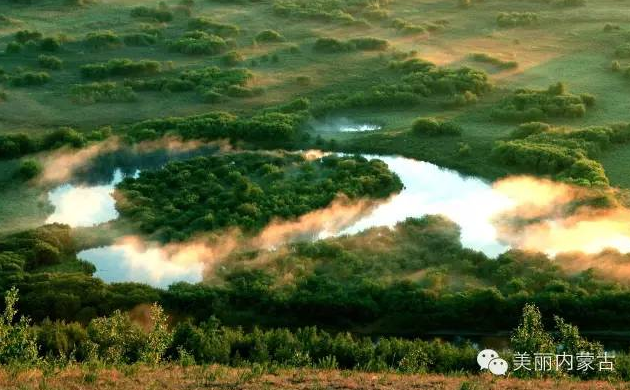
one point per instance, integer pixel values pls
(120, 67)
(24, 36)
(198, 43)
(102, 93)
(232, 58)
(434, 127)
(29, 169)
(406, 27)
(213, 27)
(325, 10)
(531, 105)
(418, 79)
(157, 14)
(25, 79)
(563, 152)
(49, 62)
(515, 19)
(369, 43)
(50, 44)
(13, 48)
(269, 36)
(268, 127)
(102, 40)
(499, 63)
(331, 45)
(140, 39)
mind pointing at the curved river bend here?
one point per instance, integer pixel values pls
(428, 189)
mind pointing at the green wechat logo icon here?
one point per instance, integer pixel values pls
(490, 360)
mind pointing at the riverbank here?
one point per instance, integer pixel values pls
(220, 377)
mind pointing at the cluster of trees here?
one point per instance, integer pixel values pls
(566, 153)
(342, 11)
(16, 145)
(246, 190)
(499, 63)
(161, 14)
(200, 42)
(269, 36)
(102, 92)
(435, 128)
(120, 67)
(332, 45)
(516, 19)
(33, 39)
(29, 78)
(533, 105)
(49, 62)
(99, 40)
(416, 79)
(211, 26)
(211, 83)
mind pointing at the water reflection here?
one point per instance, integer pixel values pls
(429, 189)
(85, 200)
(127, 262)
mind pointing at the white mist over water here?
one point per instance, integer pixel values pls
(429, 189)
(81, 205)
(469, 202)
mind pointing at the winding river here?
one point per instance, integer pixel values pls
(428, 189)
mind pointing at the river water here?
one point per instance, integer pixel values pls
(428, 189)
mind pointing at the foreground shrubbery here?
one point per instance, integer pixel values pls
(532, 105)
(165, 205)
(566, 153)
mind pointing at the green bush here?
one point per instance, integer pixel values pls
(102, 40)
(13, 48)
(107, 92)
(483, 57)
(269, 36)
(331, 45)
(533, 105)
(433, 127)
(120, 67)
(208, 25)
(50, 44)
(157, 14)
(232, 58)
(198, 43)
(140, 39)
(29, 169)
(25, 79)
(49, 62)
(369, 43)
(24, 36)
